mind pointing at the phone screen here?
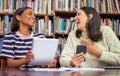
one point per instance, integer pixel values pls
(80, 48)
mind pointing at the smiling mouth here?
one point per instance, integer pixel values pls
(33, 21)
(77, 22)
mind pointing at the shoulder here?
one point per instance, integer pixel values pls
(105, 28)
(107, 32)
(72, 33)
(10, 38)
(10, 35)
(38, 35)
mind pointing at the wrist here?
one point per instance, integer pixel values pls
(25, 61)
(98, 54)
(71, 64)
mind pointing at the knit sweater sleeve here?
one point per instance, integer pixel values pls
(68, 52)
(112, 56)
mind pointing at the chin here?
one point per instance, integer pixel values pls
(31, 26)
(79, 28)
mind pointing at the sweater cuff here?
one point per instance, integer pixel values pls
(104, 56)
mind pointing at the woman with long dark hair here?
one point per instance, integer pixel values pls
(102, 45)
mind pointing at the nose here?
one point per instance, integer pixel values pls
(33, 16)
(74, 19)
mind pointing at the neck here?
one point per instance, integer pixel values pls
(25, 32)
(84, 30)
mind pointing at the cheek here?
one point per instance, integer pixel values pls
(24, 20)
(84, 19)
(83, 22)
(82, 25)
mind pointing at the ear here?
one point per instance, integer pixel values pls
(18, 18)
(90, 16)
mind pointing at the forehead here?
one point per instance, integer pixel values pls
(28, 10)
(81, 11)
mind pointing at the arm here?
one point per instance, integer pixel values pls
(67, 53)
(8, 51)
(20, 62)
(69, 58)
(112, 56)
(108, 49)
(15, 63)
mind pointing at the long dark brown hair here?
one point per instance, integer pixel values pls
(93, 27)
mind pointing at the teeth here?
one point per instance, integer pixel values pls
(32, 20)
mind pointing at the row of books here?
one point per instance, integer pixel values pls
(65, 25)
(60, 25)
(104, 6)
(41, 26)
(62, 42)
(48, 6)
(44, 26)
(39, 6)
(5, 24)
(113, 23)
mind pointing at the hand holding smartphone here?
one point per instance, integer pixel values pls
(80, 48)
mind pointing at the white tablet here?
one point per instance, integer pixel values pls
(44, 50)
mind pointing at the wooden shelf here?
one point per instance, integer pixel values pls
(43, 15)
(110, 15)
(49, 36)
(66, 14)
(3, 14)
(63, 35)
(37, 15)
(73, 14)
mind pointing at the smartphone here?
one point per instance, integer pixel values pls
(80, 48)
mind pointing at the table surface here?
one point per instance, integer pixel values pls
(30, 72)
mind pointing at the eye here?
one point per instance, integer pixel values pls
(78, 14)
(30, 13)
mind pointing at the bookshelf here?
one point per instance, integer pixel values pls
(108, 10)
(48, 11)
(68, 14)
(40, 16)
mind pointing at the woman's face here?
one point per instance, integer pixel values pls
(27, 18)
(81, 20)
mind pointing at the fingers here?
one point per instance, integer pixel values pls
(29, 56)
(52, 64)
(83, 42)
(80, 57)
(77, 59)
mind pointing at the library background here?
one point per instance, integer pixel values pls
(54, 17)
